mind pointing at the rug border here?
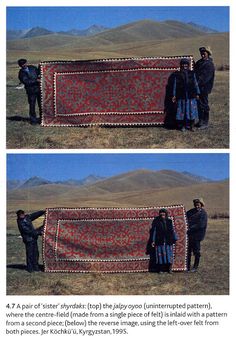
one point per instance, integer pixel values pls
(190, 56)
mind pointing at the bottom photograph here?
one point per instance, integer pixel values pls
(117, 224)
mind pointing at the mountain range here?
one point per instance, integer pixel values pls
(38, 181)
(126, 181)
(40, 31)
(96, 29)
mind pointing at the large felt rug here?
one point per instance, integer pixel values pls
(126, 91)
(106, 239)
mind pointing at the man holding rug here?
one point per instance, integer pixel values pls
(30, 77)
(30, 236)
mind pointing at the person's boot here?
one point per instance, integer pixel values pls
(205, 121)
(199, 124)
(196, 264)
(192, 123)
(201, 119)
(189, 262)
(33, 120)
(37, 268)
(203, 127)
(180, 125)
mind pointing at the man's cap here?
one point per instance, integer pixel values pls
(19, 212)
(199, 200)
(22, 62)
(205, 49)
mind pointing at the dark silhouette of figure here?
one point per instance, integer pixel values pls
(30, 237)
(197, 221)
(29, 75)
(160, 243)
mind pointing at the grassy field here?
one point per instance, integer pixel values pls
(20, 134)
(211, 279)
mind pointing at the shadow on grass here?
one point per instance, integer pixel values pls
(150, 125)
(18, 119)
(22, 266)
(24, 119)
(17, 266)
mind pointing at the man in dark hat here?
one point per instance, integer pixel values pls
(30, 77)
(205, 73)
(197, 222)
(30, 236)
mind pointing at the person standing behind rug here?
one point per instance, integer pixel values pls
(29, 76)
(162, 238)
(205, 72)
(197, 222)
(185, 94)
(30, 236)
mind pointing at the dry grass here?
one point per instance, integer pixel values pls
(212, 278)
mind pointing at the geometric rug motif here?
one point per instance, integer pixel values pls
(106, 239)
(107, 92)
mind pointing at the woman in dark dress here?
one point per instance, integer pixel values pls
(185, 94)
(162, 239)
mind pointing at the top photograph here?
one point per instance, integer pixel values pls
(117, 77)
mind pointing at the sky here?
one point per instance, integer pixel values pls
(55, 167)
(66, 18)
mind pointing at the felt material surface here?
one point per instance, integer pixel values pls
(106, 239)
(125, 91)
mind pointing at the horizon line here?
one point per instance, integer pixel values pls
(111, 28)
(120, 173)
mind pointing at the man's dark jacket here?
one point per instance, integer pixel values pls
(29, 79)
(205, 73)
(197, 222)
(26, 227)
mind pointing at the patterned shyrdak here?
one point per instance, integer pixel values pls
(106, 92)
(106, 239)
